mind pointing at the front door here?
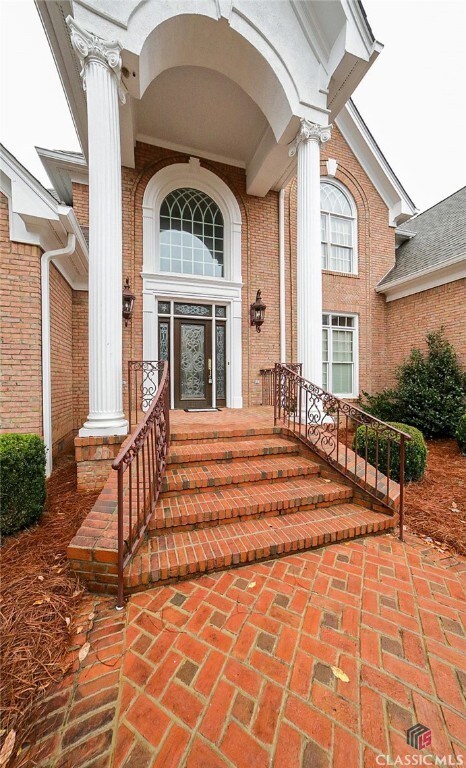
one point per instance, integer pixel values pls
(193, 361)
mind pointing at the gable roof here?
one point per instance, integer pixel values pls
(436, 241)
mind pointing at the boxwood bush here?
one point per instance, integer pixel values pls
(461, 434)
(415, 451)
(22, 481)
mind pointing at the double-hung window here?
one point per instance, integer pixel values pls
(339, 354)
(338, 229)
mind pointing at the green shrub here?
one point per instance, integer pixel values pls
(430, 390)
(415, 451)
(383, 405)
(22, 484)
(461, 434)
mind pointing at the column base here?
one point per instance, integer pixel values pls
(105, 428)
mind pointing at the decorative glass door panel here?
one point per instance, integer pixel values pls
(193, 361)
(220, 363)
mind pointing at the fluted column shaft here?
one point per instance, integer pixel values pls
(309, 259)
(101, 65)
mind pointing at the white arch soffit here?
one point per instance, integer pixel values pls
(193, 175)
(245, 57)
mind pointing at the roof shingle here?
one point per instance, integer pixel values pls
(440, 235)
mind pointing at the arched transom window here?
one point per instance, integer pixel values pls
(191, 234)
(338, 229)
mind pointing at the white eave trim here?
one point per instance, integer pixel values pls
(63, 168)
(361, 142)
(431, 277)
(36, 218)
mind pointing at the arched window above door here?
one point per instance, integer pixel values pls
(191, 234)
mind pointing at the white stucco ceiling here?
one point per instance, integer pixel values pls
(201, 109)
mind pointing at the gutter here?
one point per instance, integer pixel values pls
(46, 258)
(281, 260)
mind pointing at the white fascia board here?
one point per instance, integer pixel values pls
(63, 168)
(439, 274)
(362, 143)
(402, 236)
(36, 218)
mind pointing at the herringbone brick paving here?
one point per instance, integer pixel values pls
(235, 668)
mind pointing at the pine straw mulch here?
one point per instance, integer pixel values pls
(435, 507)
(39, 597)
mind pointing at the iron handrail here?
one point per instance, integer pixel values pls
(141, 462)
(268, 381)
(317, 418)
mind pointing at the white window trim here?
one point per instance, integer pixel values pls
(354, 219)
(355, 330)
(194, 288)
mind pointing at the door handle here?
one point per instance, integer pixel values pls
(209, 368)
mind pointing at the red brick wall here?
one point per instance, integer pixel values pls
(20, 311)
(260, 266)
(409, 320)
(80, 359)
(61, 361)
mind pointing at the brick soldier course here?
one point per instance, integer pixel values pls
(235, 668)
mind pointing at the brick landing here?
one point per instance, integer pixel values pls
(237, 489)
(234, 670)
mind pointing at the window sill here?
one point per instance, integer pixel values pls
(340, 274)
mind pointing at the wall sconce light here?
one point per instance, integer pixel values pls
(258, 312)
(128, 302)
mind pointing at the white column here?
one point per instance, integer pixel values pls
(309, 260)
(101, 65)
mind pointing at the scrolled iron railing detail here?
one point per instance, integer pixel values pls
(143, 381)
(141, 464)
(324, 422)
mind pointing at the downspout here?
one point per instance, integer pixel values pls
(281, 258)
(46, 258)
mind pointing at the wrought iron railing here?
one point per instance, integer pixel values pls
(326, 424)
(141, 465)
(268, 382)
(143, 381)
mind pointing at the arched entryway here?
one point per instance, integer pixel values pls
(192, 284)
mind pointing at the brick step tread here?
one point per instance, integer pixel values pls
(224, 505)
(224, 450)
(182, 435)
(181, 555)
(236, 471)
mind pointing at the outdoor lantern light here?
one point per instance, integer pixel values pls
(258, 312)
(128, 302)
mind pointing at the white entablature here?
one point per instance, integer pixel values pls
(245, 72)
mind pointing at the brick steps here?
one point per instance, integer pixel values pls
(227, 505)
(197, 452)
(182, 555)
(235, 472)
(228, 497)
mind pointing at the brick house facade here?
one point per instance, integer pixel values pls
(277, 249)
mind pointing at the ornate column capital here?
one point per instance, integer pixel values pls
(89, 47)
(310, 131)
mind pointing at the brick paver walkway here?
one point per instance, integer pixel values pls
(238, 668)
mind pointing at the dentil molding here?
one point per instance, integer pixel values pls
(310, 131)
(90, 47)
